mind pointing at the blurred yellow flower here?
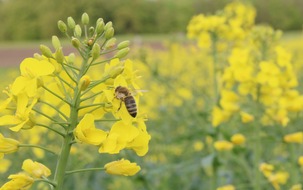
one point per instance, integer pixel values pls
(223, 145)
(238, 139)
(246, 117)
(18, 181)
(300, 161)
(227, 187)
(35, 169)
(277, 179)
(8, 145)
(122, 167)
(198, 146)
(294, 138)
(219, 116)
(4, 165)
(266, 169)
(296, 187)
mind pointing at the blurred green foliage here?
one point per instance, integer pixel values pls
(32, 20)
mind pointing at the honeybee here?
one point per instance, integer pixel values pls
(123, 94)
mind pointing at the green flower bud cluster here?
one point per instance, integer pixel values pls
(91, 40)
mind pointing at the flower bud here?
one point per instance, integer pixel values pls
(62, 26)
(91, 31)
(91, 41)
(109, 33)
(35, 169)
(78, 31)
(71, 23)
(110, 43)
(99, 26)
(108, 25)
(59, 55)
(71, 58)
(122, 53)
(122, 167)
(114, 72)
(46, 51)
(76, 42)
(38, 56)
(56, 42)
(123, 44)
(96, 51)
(8, 145)
(84, 82)
(85, 19)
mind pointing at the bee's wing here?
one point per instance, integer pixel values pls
(139, 92)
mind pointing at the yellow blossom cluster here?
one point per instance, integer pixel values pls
(71, 98)
(275, 178)
(231, 24)
(24, 180)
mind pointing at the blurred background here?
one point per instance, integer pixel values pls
(35, 20)
(178, 102)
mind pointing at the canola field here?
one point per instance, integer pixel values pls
(223, 111)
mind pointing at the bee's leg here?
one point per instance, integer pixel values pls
(120, 105)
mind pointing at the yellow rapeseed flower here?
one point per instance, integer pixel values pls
(246, 117)
(277, 179)
(31, 69)
(198, 146)
(21, 119)
(87, 132)
(223, 145)
(35, 169)
(18, 181)
(8, 145)
(296, 187)
(4, 165)
(122, 167)
(118, 138)
(219, 116)
(227, 187)
(266, 169)
(140, 143)
(300, 161)
(294, 138)
(238, 139)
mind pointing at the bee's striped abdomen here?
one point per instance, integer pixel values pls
(130, 105)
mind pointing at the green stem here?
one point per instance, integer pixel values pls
(106, 52)
(104, 61)
(37, 146)
(64, 81)
(83, 170)
(66, 71)
(257, 157)
(50, 128)
(70, 66)
(92, 105)
(46, 181)
(92, 96)
(41, 113)
(55, 108)
(215, 68)
(69, 138)
(56, 95)
(294, 179)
